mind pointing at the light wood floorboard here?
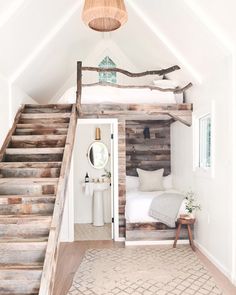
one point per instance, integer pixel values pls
(71, 255)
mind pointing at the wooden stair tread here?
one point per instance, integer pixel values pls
(22, 151)
(37, 137)
(8, 240)
(45, 115)
(27, 196)
(32, 266)
(42, 125)
(13, 217)
(30, 165)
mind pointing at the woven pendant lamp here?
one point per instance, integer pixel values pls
(104, 15)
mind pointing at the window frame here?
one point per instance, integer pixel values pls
(207, 172)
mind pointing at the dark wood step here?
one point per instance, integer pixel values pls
(28, 186)
(41, 131)
(18, 227)
(33, 154)
(22, 252)
(43, 120)
(42, 126)
(8, 165)
(54, 108)
(37, 141)
(29, 172)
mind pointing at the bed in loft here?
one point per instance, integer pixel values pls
(125, 102)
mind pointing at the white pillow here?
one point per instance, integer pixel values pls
(132, 183)
(150, 180)
(167, 182)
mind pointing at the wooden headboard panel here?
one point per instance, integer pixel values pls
(151, 153)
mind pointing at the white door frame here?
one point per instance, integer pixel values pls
(114, 150)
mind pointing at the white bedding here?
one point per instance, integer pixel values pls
(101, 94)
(138, 204)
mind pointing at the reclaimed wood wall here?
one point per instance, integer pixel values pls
(151, 153)
(122, 180)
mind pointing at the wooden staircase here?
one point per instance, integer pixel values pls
(34, 168)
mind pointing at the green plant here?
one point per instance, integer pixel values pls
(191, 203)
(107, 174)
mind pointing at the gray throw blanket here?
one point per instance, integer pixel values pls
(165, 208)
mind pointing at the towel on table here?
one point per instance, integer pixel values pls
(165, 208)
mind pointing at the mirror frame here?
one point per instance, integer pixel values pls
(88, 155)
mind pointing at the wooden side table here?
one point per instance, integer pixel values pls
(188, 222)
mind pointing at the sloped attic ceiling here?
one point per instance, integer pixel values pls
(42, 40)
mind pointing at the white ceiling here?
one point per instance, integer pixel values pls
(40, 41)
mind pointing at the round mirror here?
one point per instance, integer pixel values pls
(98, 155)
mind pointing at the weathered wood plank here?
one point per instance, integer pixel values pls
(42, 126)
(24, 226)
(34, 151)
(22, 253)
(29, 172)
(44, 115)
(8, 165)
(37, 141)
(44, 121)
(42, 131)
(33, 158)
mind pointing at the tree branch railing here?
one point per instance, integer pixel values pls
(150, 87)
(161, 72)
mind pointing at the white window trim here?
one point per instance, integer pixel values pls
(200, 113)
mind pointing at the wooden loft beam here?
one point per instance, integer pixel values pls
(178, 112)
(150, 87)
(79, 86)
(133, 75)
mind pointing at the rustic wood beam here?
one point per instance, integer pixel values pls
(174, 90)
(133, 75)
(79, 86)
(178, 112)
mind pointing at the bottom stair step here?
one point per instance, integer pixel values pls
(19, 280)
(24, 253)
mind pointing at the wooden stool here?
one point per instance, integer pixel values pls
(188, 222)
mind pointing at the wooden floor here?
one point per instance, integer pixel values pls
(71, 255)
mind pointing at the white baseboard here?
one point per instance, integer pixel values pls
(150, 243)
(119, 240)
(213, 260)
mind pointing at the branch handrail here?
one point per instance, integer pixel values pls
(133, 75)
(174, 90)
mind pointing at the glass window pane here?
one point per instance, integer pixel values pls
(109, 77)
(205, 142)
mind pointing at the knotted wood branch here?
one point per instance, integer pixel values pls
(150, 87)
(133, 75)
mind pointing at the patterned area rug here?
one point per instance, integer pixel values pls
(142, 271)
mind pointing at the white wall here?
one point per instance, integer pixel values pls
(4, 109)
(18, 97)
(85, 135)
(213, 231)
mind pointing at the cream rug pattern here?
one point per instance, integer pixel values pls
(142, 271)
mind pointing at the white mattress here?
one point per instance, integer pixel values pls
(138, 204)
(101, 94)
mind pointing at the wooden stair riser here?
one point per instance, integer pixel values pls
(24, 227)
(48, 131)
(37, 141)
(42, 126)
(43, 121)
(47, 108)
(33, 155)
(32, 189)
(24, 287)
(18, 165)
(22, 253)
(24, 199)
(29, 172)
(39, 208)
